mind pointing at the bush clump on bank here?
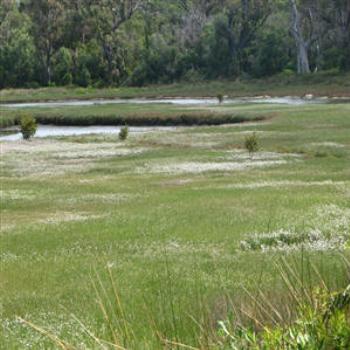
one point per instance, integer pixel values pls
(123, 133)
(28, 126)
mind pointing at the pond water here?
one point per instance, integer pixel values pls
(53, 130)
(288, 100)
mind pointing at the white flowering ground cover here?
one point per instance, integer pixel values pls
(182, 219)
(326, 228)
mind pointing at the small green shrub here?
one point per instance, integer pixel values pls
(123, 133)
(321, 323)
(192, 76)
(287, 73)
(28, 126)
(251, 143)
(220, 98)
(280, 239)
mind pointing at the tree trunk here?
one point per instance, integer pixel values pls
(301, 44)
(232, 44)
(108, 53)
(48, 65)
(303, 59)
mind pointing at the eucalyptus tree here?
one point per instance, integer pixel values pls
(335, 16)
(244, 18)
(309, 30)
(48, 22)
(342, 15)
(17, 49)
(113, 42)
(195, 15)
(302, 44)
(108, 17)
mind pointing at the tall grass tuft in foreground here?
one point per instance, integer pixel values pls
(306, 314)
(309, 318)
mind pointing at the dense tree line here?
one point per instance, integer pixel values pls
(136, 42)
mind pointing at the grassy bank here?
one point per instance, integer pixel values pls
(321, 84)
(187, 223)
(130, 114)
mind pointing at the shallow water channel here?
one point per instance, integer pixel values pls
(288, 100)
(53, 130)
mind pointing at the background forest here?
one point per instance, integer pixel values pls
(138, 42)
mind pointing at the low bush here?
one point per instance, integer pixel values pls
(28, 126)
(220, 98)
(123, 133)
(321, 323)
(251, 143)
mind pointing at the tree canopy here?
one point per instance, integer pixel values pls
(137, 42)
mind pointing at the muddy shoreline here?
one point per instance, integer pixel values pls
(181, 101)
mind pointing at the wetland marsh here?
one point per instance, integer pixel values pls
(182, 218)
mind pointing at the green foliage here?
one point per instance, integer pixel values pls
(83, 76)
(192, 76)
(251, 143)
(123, 133)
(162, 42)
(270, 56)
(17, 51)
(28, 126)
(323, 325)
(286, 74)
(320, 320)
(88, 64)
(220, 98)
(63, 66)
(283, 238)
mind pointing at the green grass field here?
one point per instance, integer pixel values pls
(184, 220)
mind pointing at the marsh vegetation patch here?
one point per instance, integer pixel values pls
(52, 158)
(288, 183)
(239, 161)
(327, 228)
